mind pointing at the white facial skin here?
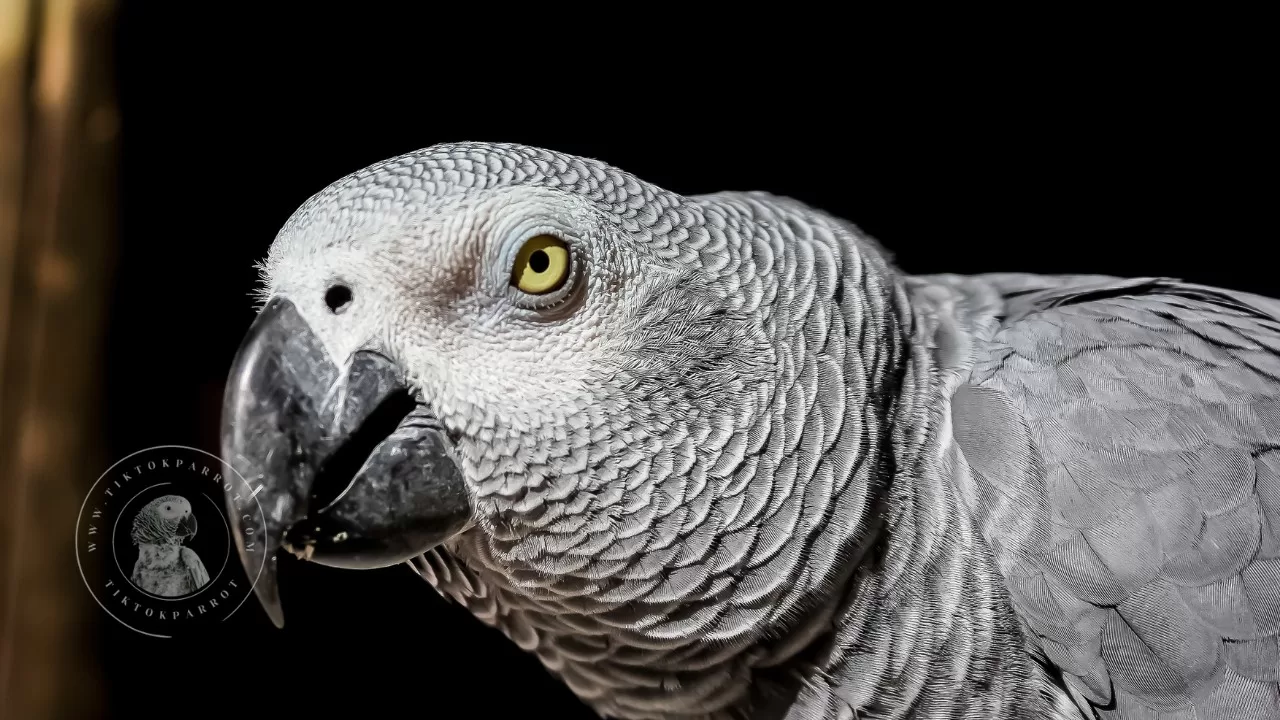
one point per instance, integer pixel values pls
(159, 522)
(433, 290)
(174, 508)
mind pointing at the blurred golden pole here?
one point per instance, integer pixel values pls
(14, 44)
(58, 128)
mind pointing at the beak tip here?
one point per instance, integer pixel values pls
(268, 591)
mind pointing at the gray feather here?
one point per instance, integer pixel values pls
(1124, 438)
(197, 574)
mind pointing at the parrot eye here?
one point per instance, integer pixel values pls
(167, 508)
(338, 298)
(541, 266)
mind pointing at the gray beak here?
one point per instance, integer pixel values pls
(187, 526)
(349, 468)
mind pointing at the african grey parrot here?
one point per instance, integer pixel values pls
(165, 567)
(715, 457)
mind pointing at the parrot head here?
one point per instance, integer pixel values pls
(498, 349)
(167, 520)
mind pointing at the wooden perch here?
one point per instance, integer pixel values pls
(58, 130)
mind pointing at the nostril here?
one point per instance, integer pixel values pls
(338, 298)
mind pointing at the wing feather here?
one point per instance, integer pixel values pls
(196, 572)
(1124, 436)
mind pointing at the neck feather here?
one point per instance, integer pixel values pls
(724, 546)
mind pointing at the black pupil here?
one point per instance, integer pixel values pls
(538, 261)
(338, 297)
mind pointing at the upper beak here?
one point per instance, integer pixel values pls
(188, 525)
(348, 467)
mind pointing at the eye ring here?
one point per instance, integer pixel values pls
(542, 265)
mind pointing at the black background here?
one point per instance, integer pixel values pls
(1119, 155)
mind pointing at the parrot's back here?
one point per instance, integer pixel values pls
(1122, 442)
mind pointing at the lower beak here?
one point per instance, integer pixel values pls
(349, 468)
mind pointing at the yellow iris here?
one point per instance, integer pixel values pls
(541, 266)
